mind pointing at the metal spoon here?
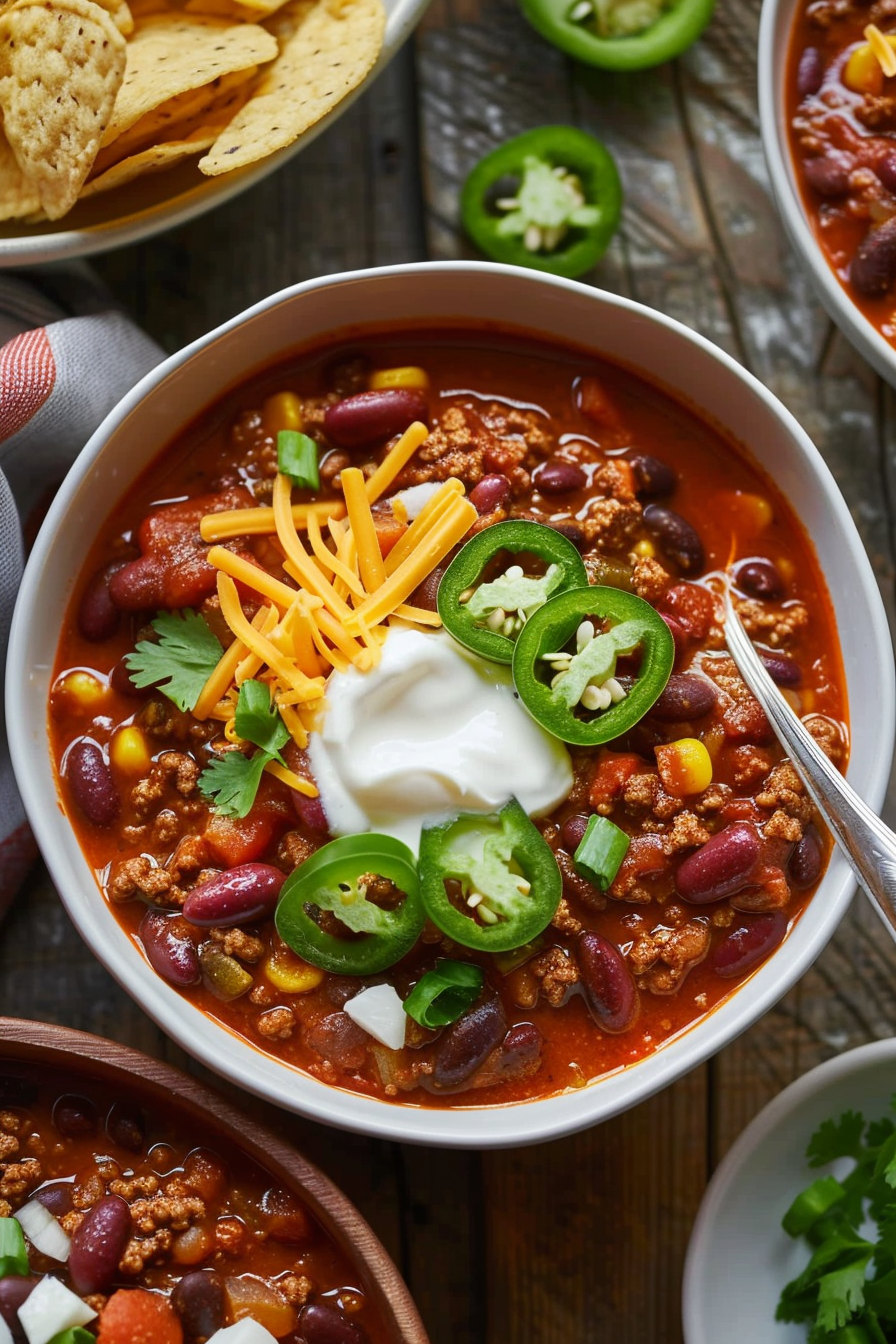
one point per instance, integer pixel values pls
(868, 844)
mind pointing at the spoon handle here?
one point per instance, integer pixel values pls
(868, 844)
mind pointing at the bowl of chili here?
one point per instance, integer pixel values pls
(335, 931)
(826, 111)
(134, 1199)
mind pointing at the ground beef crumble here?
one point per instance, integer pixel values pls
(557, 972)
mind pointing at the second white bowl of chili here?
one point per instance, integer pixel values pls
(580, 413)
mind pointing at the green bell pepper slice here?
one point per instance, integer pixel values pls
(561, 208)
(508, 882)
(566, 677)
(620, 34)
(329, 881)
(468, 607)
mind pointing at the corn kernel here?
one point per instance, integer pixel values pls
(281, 411)
(862, 72)
(786, 568)
(685, 767)
(129, 753)
(80, 691)
(406, 376)
(290, 973)
(645, 548)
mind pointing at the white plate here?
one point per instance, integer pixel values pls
(166, 200)
(739, 1257)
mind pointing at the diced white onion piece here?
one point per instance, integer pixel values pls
(417, 496)
(379, 1012)
(5, 1333)
(45, 1232)
(245, 1331)
(50, 1309)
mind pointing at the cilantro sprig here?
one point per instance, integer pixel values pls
(181, 662)
(847, 1291)
(230, 782)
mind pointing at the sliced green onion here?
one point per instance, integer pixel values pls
(442, 995)
(13, 1252)
(601, 851)
(814, 1202)
(297, 457)
(75, 1334)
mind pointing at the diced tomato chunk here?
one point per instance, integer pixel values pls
(236, 840)
(613, 771)
(692, 606)
(388, 531)
(135, 1316)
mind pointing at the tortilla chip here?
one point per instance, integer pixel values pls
(151, 160)
(247, 11)
(322, 58)
(172, 53)
(61, 65)
(141, 9)
(120, 13)
(18, 197)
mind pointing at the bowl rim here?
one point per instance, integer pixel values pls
(402, 16)
(46, 1043)
(742, 1151)
(521, 1123)
(775, 27)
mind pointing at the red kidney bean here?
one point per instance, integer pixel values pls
(56, 1197)
(426, 594)
(120, 681)
(75, 1116)
(169, 951)
(310, 812)
(573, 830)
(886, 171)
(239, 896)
(98, 1244)
(520, 1049)
(783, 671)
(804, 868)
(467, 1044)
(98, 616)
(324, 1323)
(125, 1125)
(873, 267)
(14, 1290)
(369, 417)
(677, 631)
(829, 173)
(676, 536)
(809, 72)
(683, 698)
(653, 478)
(610, 990)
(340, 1040)
(721, 867)
(556, 476)
(744, 947)
(567, 529)
(760, 578)
(491, 493)
(200, 1302)
(91, 783)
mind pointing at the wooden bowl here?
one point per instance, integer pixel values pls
(76, 1052)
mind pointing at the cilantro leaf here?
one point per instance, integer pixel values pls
(230, 782)
(181, 662)
(841, 1293)
(836, 1138)
(257, 720)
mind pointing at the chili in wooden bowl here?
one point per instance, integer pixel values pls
(136, 1203)
(640, 507)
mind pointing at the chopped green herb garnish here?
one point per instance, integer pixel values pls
(601, 851)
(442, 995)
(73, 1335)
(181, 662)
(297, 458)
(847, 1292)
(231, 782)
(257, 720)
(13, 1252)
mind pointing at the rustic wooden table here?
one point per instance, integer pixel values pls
(580, 1240)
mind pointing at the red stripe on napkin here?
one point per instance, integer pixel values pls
(27, 377)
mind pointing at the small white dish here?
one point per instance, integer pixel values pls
(161, 201)
(739, 1257)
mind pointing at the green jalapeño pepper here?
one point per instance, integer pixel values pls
(561, 205)
(344, 882)
(564, 663)
(487, 617)
(506, 885)
(620, 34)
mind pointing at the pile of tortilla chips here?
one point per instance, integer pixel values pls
(94, 93)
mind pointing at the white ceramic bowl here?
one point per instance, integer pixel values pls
(739, 1258)
(161, 201)
(776, 21)
(182, 386)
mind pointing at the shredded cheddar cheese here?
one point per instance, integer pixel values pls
(882, 46)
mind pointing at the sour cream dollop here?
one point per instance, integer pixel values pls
(426, 733)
